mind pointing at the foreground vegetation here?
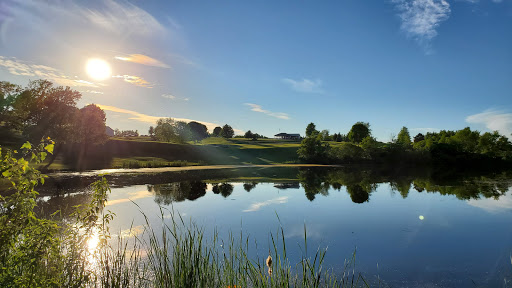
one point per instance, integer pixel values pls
(37, 252)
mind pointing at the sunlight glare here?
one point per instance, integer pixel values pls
(98, 69)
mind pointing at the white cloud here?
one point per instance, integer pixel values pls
(421, 18)
(258, 205)
(493, 120)
(493, 206)
(172, 97)
(135, 80)
(258, 108)
(423, 130)
(305, 85)
(142, 59)
(21, 68)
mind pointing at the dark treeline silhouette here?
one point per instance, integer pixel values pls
(459, 148)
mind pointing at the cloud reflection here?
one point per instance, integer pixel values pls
(258, 205)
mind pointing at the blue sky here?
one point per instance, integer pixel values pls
(273, 66)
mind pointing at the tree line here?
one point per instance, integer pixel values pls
(444, 147)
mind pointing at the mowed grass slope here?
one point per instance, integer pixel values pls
(135, 153)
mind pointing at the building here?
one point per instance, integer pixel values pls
(109, 131)
(287, 136)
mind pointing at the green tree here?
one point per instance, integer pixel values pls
(359, 131)
(419, 137)
(404, 138)
(248, 134)
(312, 149)
(325, 135)
(43, 110)
(198, 131)
(164, 130)
(369, 143)
(216, 131)
(8, 94)
(227, 131)
(151, 131)
(311, 129)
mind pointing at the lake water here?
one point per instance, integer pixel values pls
(411, 228)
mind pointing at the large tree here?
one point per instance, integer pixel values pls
(43, 110)
(216, 131)
(198, 131)
(404, 138)
(164, 130)
(311, 130)
(227, 131)
(359, 131)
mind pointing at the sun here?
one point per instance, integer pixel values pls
(98, 69)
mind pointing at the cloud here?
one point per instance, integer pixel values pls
(493, 120)
(421, 18)
(21, 68)
(132, 232)
(93, 92)
(493, 206)
(258, 108)
(131, 196)
(152, 119)
(135, 80)
(122, 19)
(305, 85)
(172, 97)
(258, 205)
(423, 130)
(142, 59)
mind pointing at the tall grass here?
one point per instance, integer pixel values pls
(179, 255)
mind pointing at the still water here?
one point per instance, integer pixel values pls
(411, 229)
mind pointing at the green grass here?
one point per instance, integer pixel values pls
(148, 162)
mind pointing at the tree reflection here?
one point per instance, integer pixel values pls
(358, 194)
(249, 186)
(177, 191)
(225, 189)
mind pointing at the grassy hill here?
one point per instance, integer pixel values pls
(141, 152)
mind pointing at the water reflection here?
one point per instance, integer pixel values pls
(359, 184)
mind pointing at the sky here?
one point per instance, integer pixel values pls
(273, 66)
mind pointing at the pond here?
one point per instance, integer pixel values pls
(409, 228)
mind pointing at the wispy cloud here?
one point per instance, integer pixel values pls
(122, 18)
(149, 119)
(21, 68)
(132, 232)
(305, 85)
(93, 92)
(172, 97)
(142, 59)
(493, 120)
(421, 18)
(258, 205)
(258, 108)
(135, 80)
(131, 196)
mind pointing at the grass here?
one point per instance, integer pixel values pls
(179, 255)
(148, 162)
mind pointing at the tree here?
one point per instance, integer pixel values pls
(359, 131)
(418, 138)
(248, 134)
(198, 131)
(151, 131)
(216, 131)
(311, 129)
(43, 110)
(403, 137)
(8, 94)
(91, 125)
(227, 131)
(312, 149)
(325, 135)
(164, 130)
(369, 143)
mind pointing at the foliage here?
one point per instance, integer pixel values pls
(359, 131)
(127, 133)
(248, 134)
(325, 135)
(346, 152)
(312, 149)
(369, 143)
(91, 125)
(198, 131)
(216, 131)
(404, 138)
(227, 131)
(419, 137)
(311, 130)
